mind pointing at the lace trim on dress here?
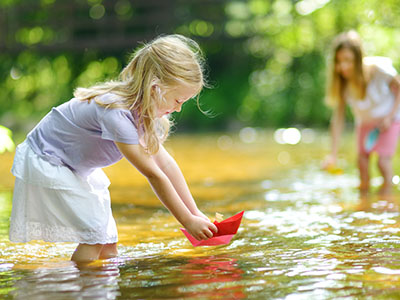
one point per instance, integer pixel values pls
(37, 231)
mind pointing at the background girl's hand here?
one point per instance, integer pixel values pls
(329, 162)
(386, 123)
(200, 228)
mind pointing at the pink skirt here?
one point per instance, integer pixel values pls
(386, 142)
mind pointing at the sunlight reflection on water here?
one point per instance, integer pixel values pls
(306, 234)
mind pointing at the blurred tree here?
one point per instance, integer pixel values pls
(267, 58)
(6, 142)
(291, 40)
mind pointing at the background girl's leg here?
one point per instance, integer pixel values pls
(386, 148)
(385, 167)
(87, 252)
(363, 166)
(108, 251)
(363, 157)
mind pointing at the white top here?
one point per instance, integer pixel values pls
(379, 99)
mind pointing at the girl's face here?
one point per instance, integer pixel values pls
(174, 98)
(344, 65)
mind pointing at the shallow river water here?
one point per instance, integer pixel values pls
(305, 234)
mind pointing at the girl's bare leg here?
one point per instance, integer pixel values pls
(108, 251)
(385, 167)
(363, 167)
(87, 252)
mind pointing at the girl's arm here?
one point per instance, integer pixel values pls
(395, 88)
(198, 227)
(336, 127)
(170, 168)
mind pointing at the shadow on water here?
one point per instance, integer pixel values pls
(306, 234)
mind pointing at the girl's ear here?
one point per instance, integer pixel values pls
(156, 89)
(157, 92)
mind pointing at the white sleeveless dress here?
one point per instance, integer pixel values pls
(54, 204)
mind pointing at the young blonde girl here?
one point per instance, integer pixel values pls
(371, 89)
(61, 194)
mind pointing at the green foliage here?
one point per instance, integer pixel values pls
(6, 142)
(35, 83)
(267, 58)
(292, 39)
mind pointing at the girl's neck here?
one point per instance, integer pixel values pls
(357, 84)
(368, 71)
(367, 74)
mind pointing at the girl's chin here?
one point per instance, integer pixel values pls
(346, 75)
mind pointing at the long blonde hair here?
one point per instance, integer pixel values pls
(164, 63)
(336, 83)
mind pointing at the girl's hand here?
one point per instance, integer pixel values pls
(201, 215)
(329, 162)
(386, 123)
(200, 229)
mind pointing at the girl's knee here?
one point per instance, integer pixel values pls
(385, 159)
(385, 162)
(363, 161)
(385, 167)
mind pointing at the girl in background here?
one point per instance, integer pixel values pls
(371, 89)
(61, 194)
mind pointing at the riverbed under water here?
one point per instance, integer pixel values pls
(306, 233)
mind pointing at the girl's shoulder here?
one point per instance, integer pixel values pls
(111, 102)
(113, 106)
(108, 99)
(377, 60)
(379, 65)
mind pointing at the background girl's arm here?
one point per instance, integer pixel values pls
(198, 227)
(395, 88)
(170, 168)
(336, 127)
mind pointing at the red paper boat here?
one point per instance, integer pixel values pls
(226, 230)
